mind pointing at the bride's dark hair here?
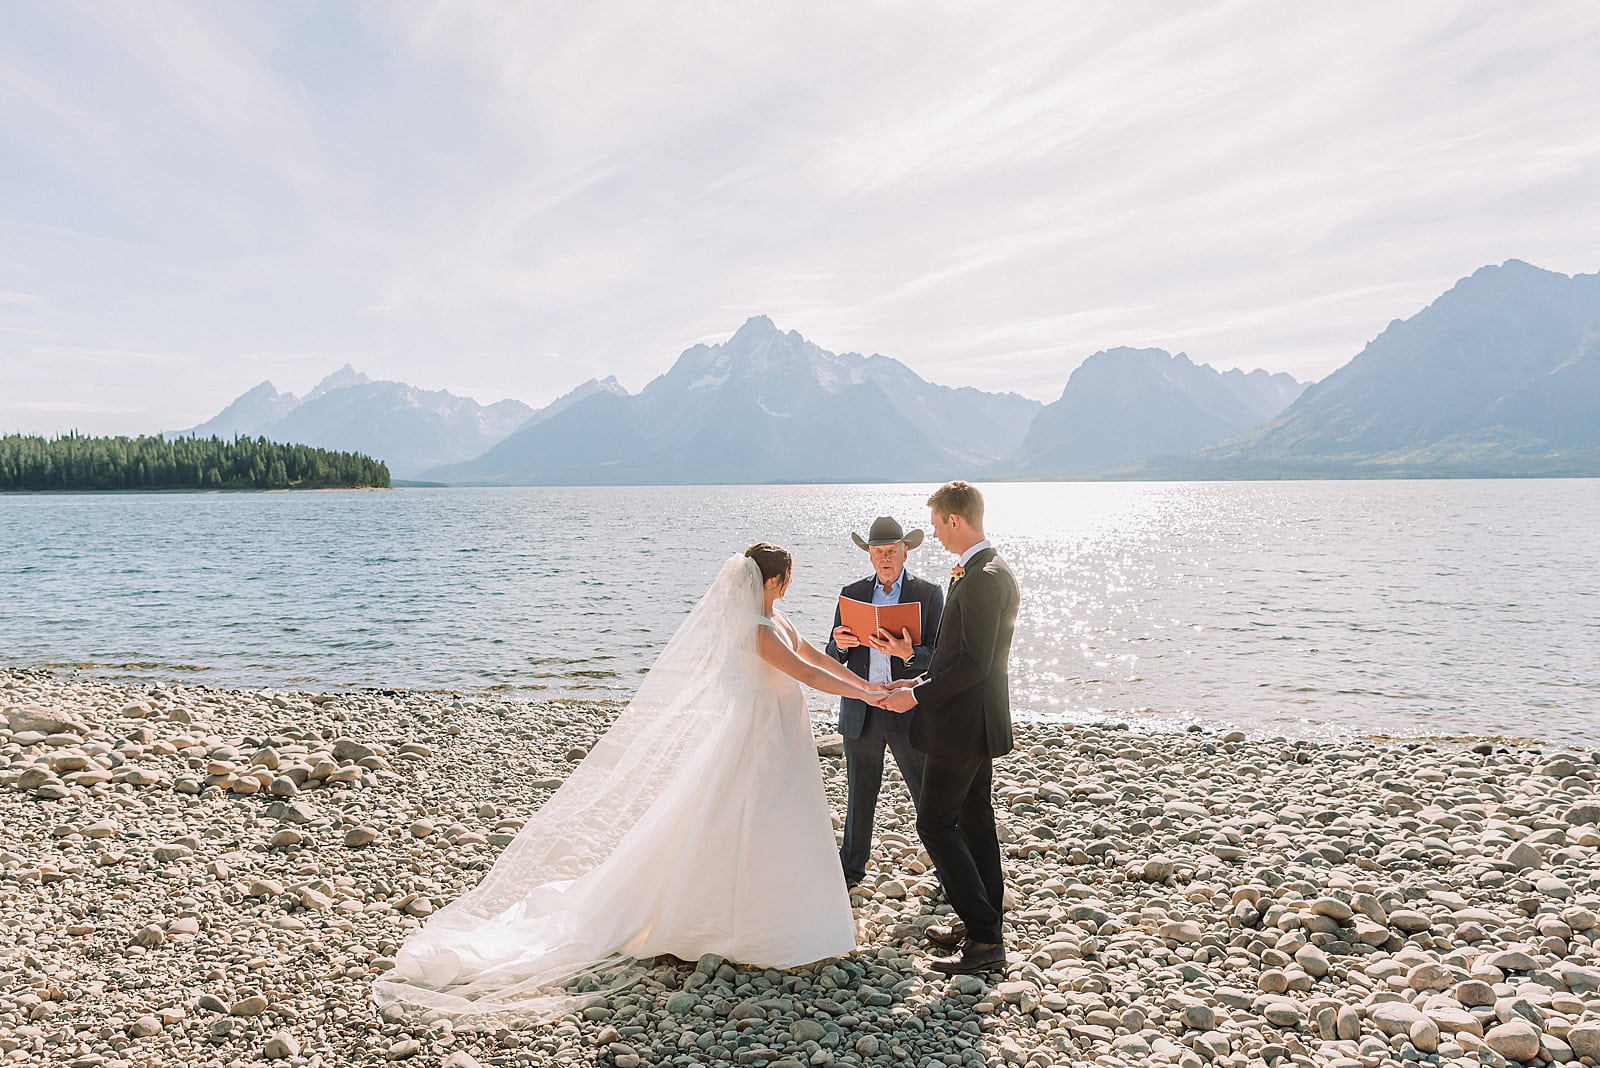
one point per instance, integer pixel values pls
(773, 560)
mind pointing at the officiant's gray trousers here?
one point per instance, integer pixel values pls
(863, 773)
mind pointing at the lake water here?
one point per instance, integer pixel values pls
(1297, 608)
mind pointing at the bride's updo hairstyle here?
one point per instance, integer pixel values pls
(774, 561)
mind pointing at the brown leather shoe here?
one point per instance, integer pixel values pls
(974, 957)
(946, 935)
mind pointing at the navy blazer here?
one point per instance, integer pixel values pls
(964, 707)
(853, 713)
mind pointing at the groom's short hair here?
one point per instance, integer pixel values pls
(959, 498)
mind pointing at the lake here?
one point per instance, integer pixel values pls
(1306, 609)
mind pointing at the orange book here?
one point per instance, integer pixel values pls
(865, 619)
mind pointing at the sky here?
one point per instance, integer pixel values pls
(507, 199)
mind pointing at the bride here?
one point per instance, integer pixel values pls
(697, 824)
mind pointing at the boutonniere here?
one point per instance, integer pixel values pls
(957, 573)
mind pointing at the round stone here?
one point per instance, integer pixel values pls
(1424, 1035)
(807, 1031)
(1473, 993)
(281, 1046)
(253, 1005)
(1313, 960)
(1429, 976)
(1584, 1038)
(151, 934)
(1332, 908)
(1517, 1040)
(1393, 1017)
(1410, 921)
(1511, 960)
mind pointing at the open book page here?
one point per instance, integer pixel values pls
(864, 619)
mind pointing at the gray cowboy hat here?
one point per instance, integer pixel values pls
(886, 530)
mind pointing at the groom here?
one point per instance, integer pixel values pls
(963, 722)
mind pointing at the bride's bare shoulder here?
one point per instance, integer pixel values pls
(782, 629)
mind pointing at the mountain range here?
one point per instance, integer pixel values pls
(1499, 375)
(1123, 406)
(408, 428)
(764, 406)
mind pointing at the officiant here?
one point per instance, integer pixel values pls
(880, 657)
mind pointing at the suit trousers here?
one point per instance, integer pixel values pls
(955, 819)
(863, 773)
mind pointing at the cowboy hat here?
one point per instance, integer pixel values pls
(885, 530)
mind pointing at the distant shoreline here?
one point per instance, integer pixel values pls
(189, 489)
(992, 481)
(1129, 478)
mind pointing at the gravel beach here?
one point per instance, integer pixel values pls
(194, 876)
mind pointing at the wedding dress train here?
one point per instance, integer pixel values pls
(697, 824)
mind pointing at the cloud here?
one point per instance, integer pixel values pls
(217, 78)
(451, 192)
(70, 407)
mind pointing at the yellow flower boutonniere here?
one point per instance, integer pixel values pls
(957, 573)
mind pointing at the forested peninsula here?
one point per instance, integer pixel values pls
(76, 462)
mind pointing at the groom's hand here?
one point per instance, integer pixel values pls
(901, 700)
(845, 638)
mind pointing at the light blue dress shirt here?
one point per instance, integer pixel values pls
(878, 663)
(974, 550)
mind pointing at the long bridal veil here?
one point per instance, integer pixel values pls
(544, 916)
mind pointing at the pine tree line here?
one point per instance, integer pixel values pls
(76, 462)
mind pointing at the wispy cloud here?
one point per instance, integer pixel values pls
(218, 78)
(71, 407)
(454, 192)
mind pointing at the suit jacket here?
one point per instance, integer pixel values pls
(853, 713)
(964, 706)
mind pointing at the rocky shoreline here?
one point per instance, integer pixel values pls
(200, 876)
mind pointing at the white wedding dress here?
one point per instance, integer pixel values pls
(697, 824)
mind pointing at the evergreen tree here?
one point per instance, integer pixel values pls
(75, 462)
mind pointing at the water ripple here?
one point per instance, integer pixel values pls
(1300, 608)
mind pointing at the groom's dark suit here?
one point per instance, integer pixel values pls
(962, 722)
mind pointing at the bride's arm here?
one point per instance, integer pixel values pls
(812, 655)
(780, 656)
